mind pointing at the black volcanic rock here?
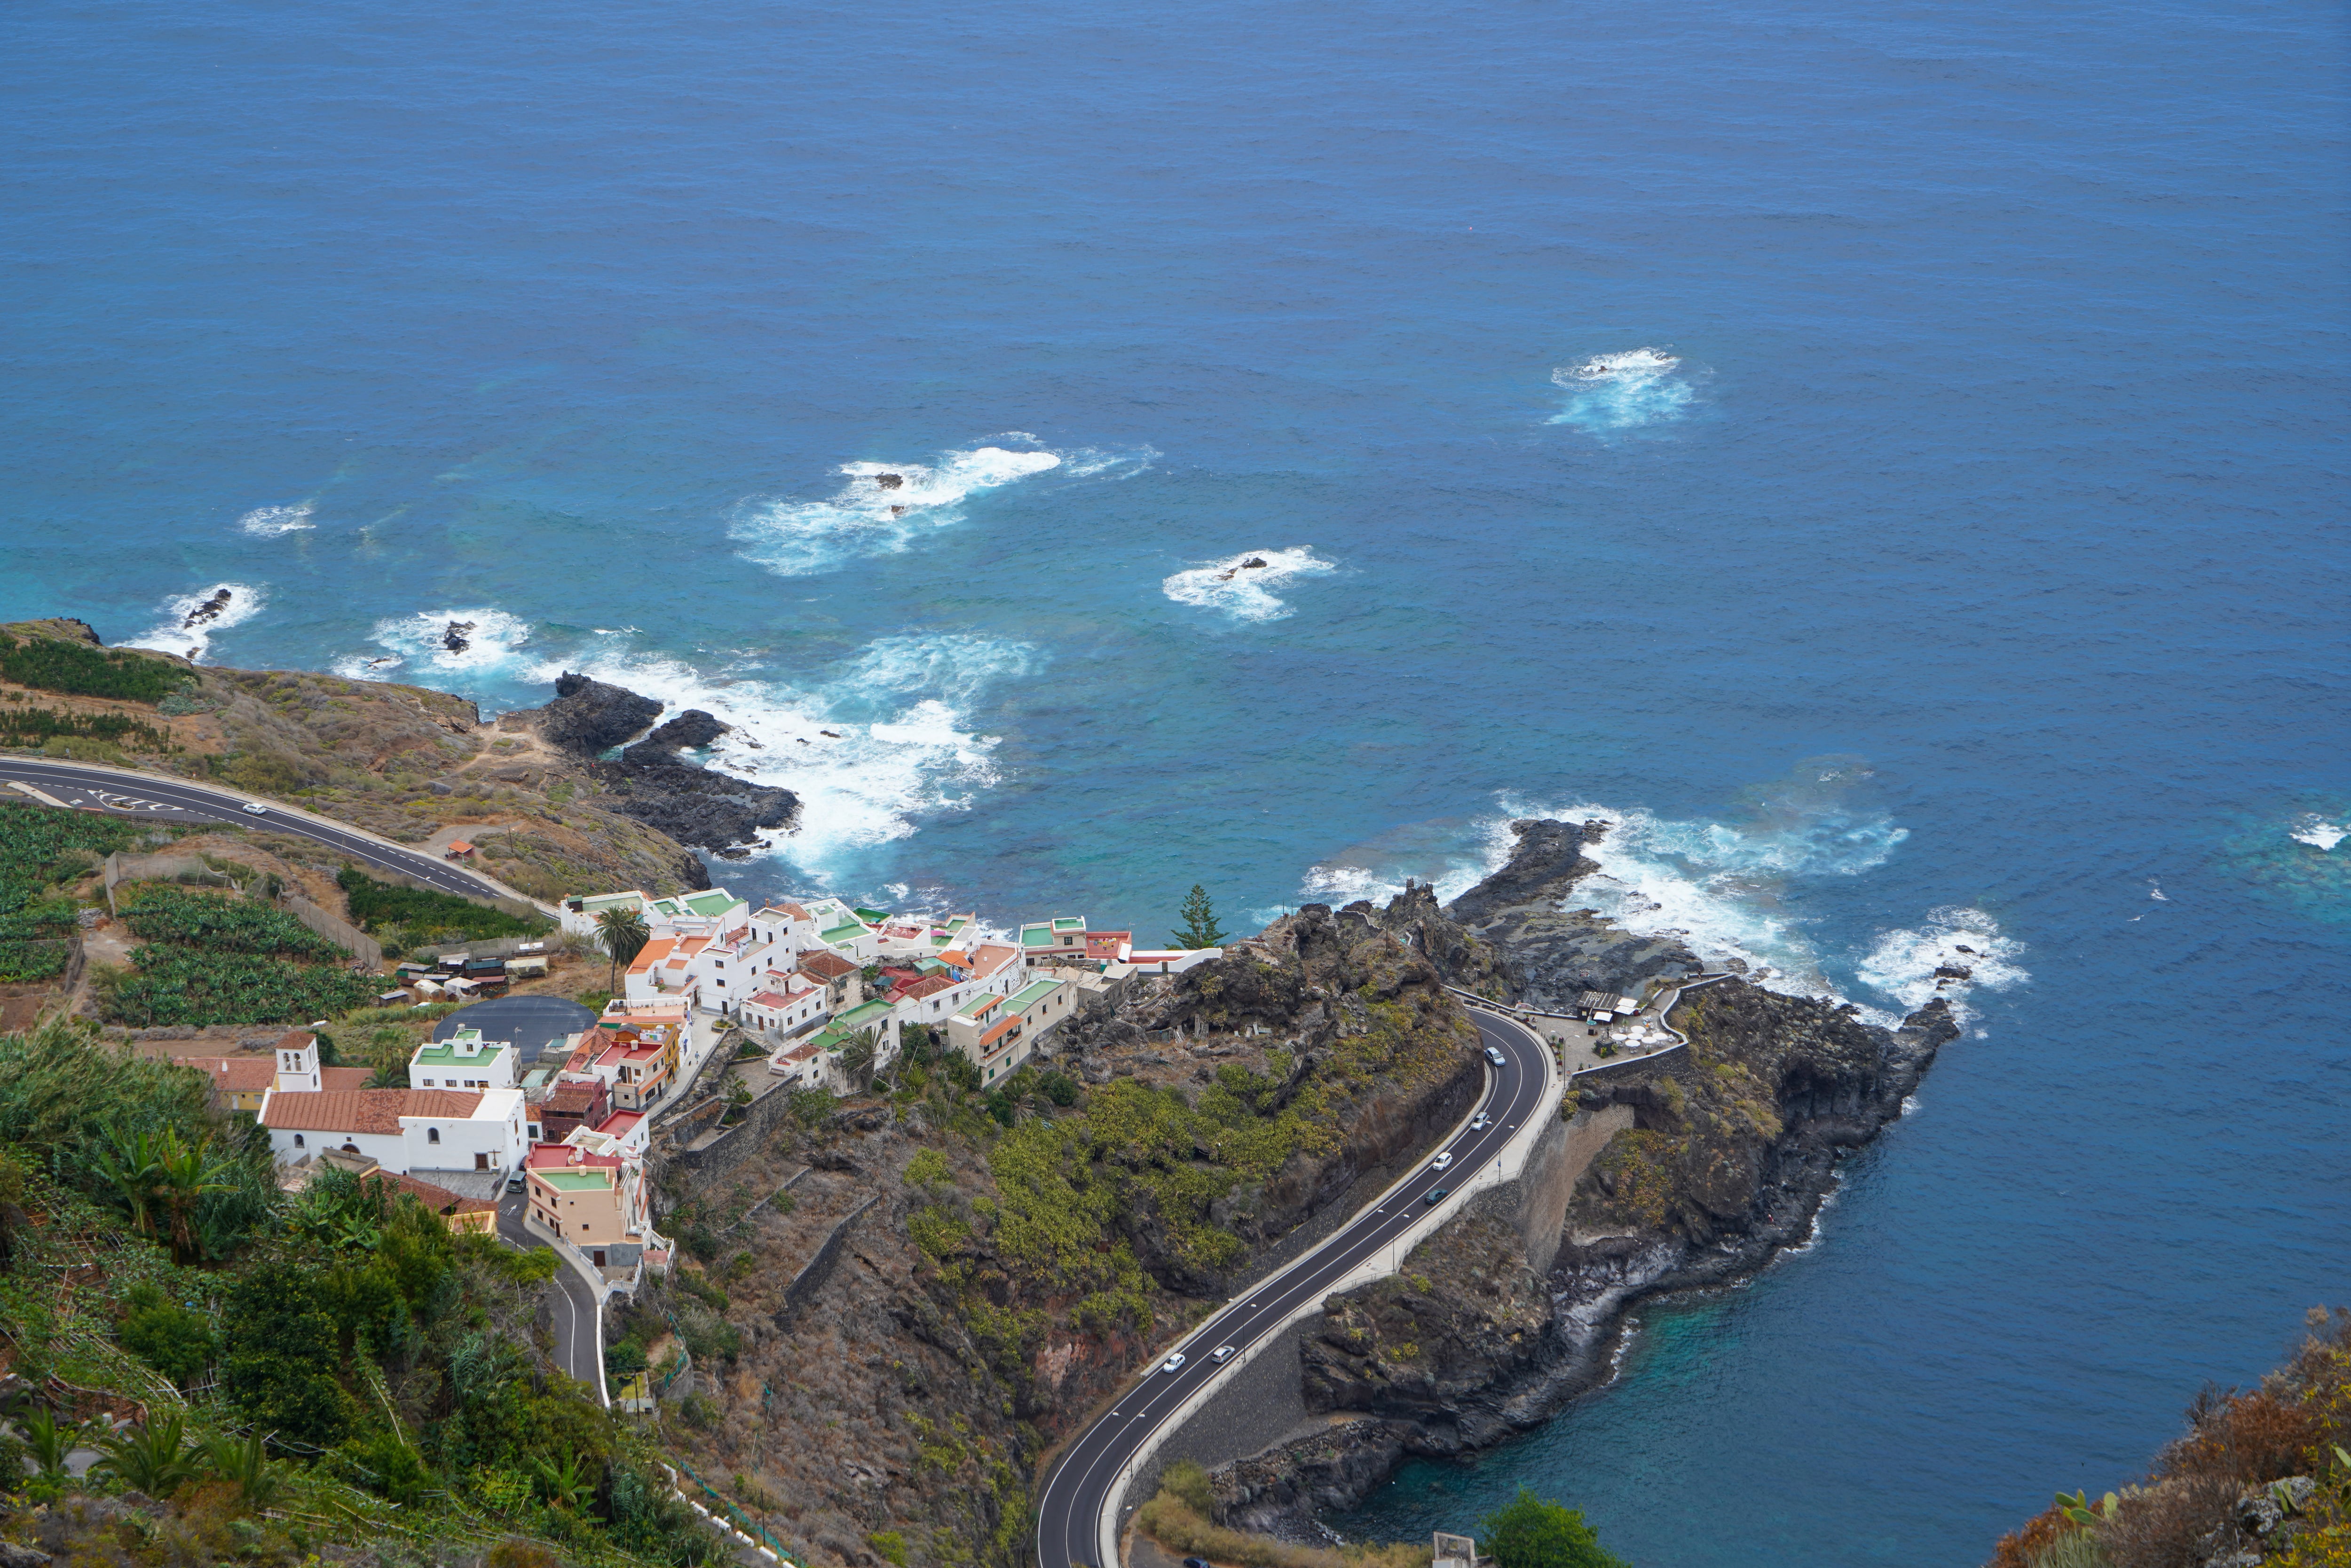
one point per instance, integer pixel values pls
(689, 731)
(1549, 954)
(589, 717)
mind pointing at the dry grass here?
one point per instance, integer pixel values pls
(1176, 1525)
(2236, 1442)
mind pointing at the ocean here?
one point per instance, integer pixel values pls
(1887, 460)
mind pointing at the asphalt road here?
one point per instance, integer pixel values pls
(172, 801)
(1070, 1526)
(579, 1346)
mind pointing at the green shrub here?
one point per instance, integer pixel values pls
(176, 1340)
(1189, 1481)
(374, 905)
(890, 1545)
(80, 669)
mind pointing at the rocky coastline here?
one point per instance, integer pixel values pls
(649, 780)
(1697, 1169)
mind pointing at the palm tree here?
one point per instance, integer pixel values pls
(565, 1484)
(623, 934)
(153, 1458)
(857, 1058)
(186, 1172)
(128, 1165)
(48, 1442)
(245, 1461)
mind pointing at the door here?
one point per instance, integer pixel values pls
(481, 1162)
(599, 1257)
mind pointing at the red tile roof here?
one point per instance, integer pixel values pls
(365, 1109)
(928, 985)
(826, 965)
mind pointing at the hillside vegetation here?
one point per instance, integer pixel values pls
(332, 1366)
(2261, 1479)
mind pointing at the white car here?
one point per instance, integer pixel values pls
(1496, 1057)
(1173, 1364)
(1221, 1354)
(1442, 1161)
(257, 808)
(1480, 1121)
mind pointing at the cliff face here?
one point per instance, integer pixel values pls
(1688, 1169)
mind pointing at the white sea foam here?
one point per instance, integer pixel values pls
(173, 635)
(1717, 886)
(901, 745)
(866, 516)
(2315, 830)
(1241, 589)
(268, 522)
(466, 645)
(1903, 964)
(1622, 391)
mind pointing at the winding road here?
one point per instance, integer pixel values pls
(1075, 1521)
(123, 793)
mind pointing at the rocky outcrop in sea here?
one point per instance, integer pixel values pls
(648, 780)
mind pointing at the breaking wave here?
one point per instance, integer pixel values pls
(268, 522)
(191, 621)
(472, 644)
(1241, 585)
(1719, 885)
(884, 739)
(1957, 951)
(2311, 828)
(881, 508)
(1616, 392)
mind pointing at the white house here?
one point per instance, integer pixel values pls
(1000, 1033)
(787, 1005)
(464, 1060)
(403, 1130)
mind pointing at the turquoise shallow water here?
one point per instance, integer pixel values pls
(1962, 565)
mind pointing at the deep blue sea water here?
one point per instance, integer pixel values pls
(1963, 564)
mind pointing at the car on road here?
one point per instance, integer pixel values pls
(1173, 1364)
(1222, 1354)
(1436, 1195)
(1480, 1121)
(514, 1184)
(1496, 1057)
(1442, 1161)
(257, 808)
(1196, 1563)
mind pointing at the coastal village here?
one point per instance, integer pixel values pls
(823, 991)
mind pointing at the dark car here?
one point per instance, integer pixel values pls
(1196, 1563)
(1437, 1195)
(515, 1183)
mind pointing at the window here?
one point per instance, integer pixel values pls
(298, 1140)
(432, 1134)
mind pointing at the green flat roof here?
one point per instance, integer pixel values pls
(1032, 993)
(446, 1050)
(712, 903)
(1065, 923)
(1035, 936)
(842, 933)
(871, 916)
(978, 1005)
(575, 1181)
(856, 1016)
